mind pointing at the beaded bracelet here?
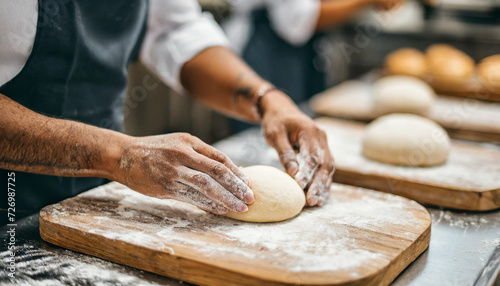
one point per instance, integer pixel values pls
(261, 91)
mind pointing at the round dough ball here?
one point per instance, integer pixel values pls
(406, 139)
(277, 196)
(449, 64)
(489, 71)
(402, 94)
(406, 61)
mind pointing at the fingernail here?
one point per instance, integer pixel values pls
(242, 208)
(293, 168)
(313, 201)
(303, 184)
(249, 197)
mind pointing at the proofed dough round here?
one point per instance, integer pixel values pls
(406, 139)
(277, 196)
(406, 61)
(402, 94)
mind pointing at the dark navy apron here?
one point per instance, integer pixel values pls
(290, 68)
(77, 70)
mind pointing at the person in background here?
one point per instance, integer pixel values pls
(63, 76)
(277, 38)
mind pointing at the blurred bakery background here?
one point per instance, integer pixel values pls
(345, 52)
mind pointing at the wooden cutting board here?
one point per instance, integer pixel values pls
(359, 237)
(469, 88)
(469, 180)
(467, 119)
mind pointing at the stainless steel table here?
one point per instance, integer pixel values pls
(464, 247)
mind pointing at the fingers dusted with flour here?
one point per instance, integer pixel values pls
(218, 78)
(301, 145)
(277, 137)
(180, 166)
(316, 165)
(219, 167)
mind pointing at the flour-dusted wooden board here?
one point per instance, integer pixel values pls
(463, 118)
(359, 237)
(469, 180)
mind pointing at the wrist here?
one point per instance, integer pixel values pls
(263, 90)
(276, 101)
(113, 154)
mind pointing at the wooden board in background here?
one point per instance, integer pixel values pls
(359, 237)
(467, 119)
(469, 180)
(469, 88)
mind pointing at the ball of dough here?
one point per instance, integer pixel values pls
(406, 61)
(406, 139)
(402, 94)
(446, 63)
(277, 196)
(489, 71)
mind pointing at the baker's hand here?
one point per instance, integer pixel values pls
(180, 166)
(287, 129)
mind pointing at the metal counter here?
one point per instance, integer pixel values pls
(464, 248)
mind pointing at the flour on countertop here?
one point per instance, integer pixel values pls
(319, 239)
(458, 220)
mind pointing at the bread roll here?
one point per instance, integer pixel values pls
(406, 61)
(449, 65)
(489, 71)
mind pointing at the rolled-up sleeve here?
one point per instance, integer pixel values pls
(177, 31)
(294, 20)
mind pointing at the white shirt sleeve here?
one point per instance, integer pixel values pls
(177, 31)
(18, 24)
(294, 20)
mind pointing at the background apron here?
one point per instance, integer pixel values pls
(77, 70)
(290, 68)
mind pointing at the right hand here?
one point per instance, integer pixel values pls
(182, 167)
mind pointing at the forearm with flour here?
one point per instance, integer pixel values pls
(35, 143)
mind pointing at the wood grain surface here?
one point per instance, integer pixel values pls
(470, 88)
(359, 237)
(467, 119)
(469, 180)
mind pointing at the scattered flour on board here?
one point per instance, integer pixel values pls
(462, 170)
(319, 239)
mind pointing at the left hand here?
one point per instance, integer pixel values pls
(287, 129)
